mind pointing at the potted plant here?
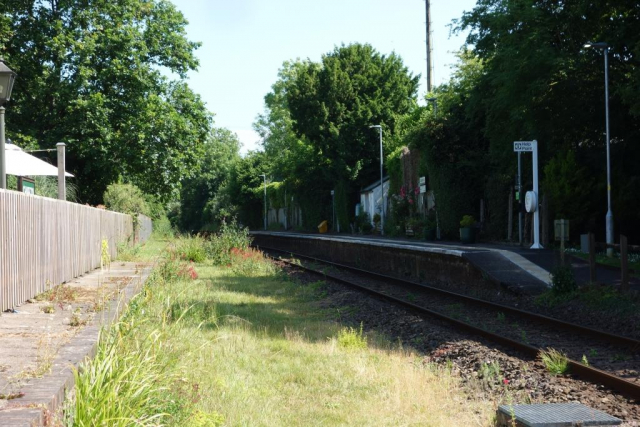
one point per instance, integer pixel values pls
(467, 231)
(376, 221)
(429, 231)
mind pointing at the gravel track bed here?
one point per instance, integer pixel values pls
(475, 359)
(620, 361)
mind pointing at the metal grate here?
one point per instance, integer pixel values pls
(555, 415)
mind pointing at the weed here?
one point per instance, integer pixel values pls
(619, 357)
(411, 297)
(556, 362)
(191, 248)
(563, 281)
(593, 352)
(523, 336)
(501, 317)
(489, 371)
(206, 419)
(49, 309)
(59, 294)
(352, 339)
(105, 256)
(584, 360)
(76, 319)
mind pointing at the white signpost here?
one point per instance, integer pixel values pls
(531, 198)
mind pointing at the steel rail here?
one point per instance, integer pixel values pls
(585, 372)
(631, 343)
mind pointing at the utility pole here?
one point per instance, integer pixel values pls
(429, 68)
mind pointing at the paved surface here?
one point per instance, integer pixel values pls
(522, 269)
(39, 349)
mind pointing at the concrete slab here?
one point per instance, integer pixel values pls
(554, 415)
(44, 338)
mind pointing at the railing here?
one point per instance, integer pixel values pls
(623, 247)
(45, 242)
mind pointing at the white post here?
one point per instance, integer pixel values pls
(3, 165)
(62, 189)
(536, 190)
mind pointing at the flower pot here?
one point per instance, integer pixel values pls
(429, 234)
(467, 235)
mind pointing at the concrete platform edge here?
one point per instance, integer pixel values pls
(44, 396)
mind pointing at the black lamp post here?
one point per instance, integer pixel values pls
(7, 77)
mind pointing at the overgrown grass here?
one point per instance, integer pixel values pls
(556, 362)
(602, 298)
(243, 345)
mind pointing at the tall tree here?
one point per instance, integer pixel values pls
(221, 153)
(92, 73)
(540, 83)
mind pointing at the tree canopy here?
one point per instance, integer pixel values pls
(93, 73)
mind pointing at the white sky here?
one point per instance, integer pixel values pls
(245, 42)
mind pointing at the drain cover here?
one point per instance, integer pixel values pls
(554, 415)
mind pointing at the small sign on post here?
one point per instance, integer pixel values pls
(423, 184)
(522, 146)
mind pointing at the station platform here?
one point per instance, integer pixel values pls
(520, 269)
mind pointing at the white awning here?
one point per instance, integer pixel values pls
(20, 163)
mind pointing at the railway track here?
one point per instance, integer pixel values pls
(596, 356)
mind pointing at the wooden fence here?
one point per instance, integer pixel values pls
(45, 242)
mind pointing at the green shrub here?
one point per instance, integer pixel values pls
(352, 339)
(230, 236)
(467, 221)
(192, 248)
(162, 227)
(562, 280)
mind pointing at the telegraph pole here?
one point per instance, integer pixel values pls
(429, 68)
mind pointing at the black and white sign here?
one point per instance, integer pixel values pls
(522, 146)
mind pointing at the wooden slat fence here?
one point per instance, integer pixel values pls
(145, 228)
(45, 242)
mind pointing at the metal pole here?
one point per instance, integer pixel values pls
(520, 198)
(3, 166)
(333, 215)
(62, 189)
(429, 76)
(381, 186)
(265, 202)
(609, 220)
(536, 190)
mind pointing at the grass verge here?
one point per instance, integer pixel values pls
(241, 344)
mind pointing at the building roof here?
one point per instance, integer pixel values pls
(374, 185)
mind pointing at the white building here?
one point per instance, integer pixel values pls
(371, 199)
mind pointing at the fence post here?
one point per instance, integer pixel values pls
(592, 258)
(624, 263)
(510, 218)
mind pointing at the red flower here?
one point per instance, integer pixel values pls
(505, 381)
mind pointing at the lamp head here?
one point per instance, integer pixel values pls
(7, 77)
(432, 99)
(375, 126)
(597, 45)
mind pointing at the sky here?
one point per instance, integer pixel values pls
(245, 42)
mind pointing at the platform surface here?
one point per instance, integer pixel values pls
(557, 415)
(526, 270)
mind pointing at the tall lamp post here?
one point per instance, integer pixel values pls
(7, 77)
(379, 127)
(265, 200)
(609, 221)
(435, 105)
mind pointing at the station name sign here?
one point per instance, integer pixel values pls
(523, 146)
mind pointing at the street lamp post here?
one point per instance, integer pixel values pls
(7, 77)
(609, 219)
(435, 105)
(379, 127)
(265, 200)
